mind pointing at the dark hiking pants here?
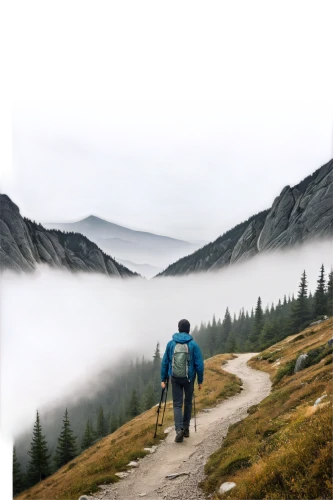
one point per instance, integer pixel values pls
(181, 387)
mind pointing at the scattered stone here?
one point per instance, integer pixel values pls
(121, 475)
(142, 494)
(226, 487)
(167, 430)
(206, 410)
(177, 474)
(84, 497)
(319, 400)
(300, 363)
(151, 450)
(133, 464)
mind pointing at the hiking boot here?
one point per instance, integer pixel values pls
(179, 436)
(186, 433)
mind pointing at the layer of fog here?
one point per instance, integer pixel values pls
(58, 330)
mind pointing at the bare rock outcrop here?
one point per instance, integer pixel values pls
(299, 214)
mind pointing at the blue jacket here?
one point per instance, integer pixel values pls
(196, 364)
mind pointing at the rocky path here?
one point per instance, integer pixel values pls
(149, 480)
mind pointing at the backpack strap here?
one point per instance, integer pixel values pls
(189, 356)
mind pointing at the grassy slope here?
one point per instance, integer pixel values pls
(99, 463)
(283, 450)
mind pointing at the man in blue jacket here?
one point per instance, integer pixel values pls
(182, 361)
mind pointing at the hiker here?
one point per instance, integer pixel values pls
(182, 361)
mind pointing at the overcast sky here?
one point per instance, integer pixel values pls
(186, 169)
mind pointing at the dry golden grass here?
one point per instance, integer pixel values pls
(283, 450)
(99, 463)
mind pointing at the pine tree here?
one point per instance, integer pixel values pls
(66, 448)
(225, 332)
(203, 340)
(300, 309)
(267, 335)
(134, 409)
(88, 436)
(149, 397)
(157, 356)
(227, 323)
(101, 423)
(213, 337)
(257, 326)
(258, 315)
(18, 480)
(311, 304)
(278, 309)
(320, 302)
(157, 367)
(231, 343)
(329, 295)
(39, 466)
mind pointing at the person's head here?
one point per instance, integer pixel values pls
(184, 326)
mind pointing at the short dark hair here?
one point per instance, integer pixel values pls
(184, 326)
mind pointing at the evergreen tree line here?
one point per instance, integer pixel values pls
(134, 391)
(257, 330)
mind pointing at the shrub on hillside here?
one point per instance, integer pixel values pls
(287, 369)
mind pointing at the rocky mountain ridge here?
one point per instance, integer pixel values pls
(25, 244)
(298, 214)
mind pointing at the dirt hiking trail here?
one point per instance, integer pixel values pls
(149, 480)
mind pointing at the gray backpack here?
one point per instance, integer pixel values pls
(180, 360)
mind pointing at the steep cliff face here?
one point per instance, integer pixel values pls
(296, 217)
(298, 214)
(24, 244)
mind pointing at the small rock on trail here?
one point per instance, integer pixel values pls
(226, 487)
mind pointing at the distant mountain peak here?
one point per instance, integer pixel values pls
(93, 217)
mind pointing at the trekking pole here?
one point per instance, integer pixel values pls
(165, 402)
(158, 412)
(195, 417)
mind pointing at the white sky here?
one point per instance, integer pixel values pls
(185, 169)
